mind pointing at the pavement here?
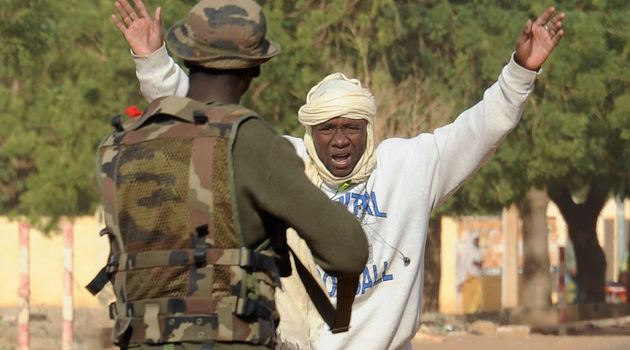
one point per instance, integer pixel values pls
(91, 331)
(604, 334)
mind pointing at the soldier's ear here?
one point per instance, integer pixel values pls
(256, 72)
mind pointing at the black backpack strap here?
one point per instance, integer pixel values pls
(105, 275)
(337, 319)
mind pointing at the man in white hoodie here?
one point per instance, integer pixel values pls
(391, 188)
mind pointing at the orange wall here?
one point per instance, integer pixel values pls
(46, 264)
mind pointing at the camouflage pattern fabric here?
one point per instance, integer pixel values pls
(223, 34)
(178, 267)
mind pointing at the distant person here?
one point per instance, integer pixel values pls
(623, 271)
(391, 189)
(468, 274)
(198, 193)
(570, 275)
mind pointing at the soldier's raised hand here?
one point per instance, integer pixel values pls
(143, 33)
(538, 39)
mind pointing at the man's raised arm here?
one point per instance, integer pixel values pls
(157, 72)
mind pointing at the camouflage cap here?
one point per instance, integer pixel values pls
(222, 34)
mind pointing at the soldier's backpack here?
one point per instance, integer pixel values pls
(178, 266)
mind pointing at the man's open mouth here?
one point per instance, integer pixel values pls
(341, 160)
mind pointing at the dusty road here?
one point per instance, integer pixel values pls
(608, 334)
(91, 332)
(530, 342)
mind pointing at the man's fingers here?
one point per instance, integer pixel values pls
(143, 9)
(158, 15)
(131, 13)
(556, 38)
(526, 30)
(554, 27)
(119, 24)
(556, 21)
(528, 26)
(545, 16)
(122, 11)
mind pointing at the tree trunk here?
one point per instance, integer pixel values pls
(432, 266)
(536, 277)
(581, 221)
(591, 262)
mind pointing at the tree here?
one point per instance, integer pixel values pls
(587, 112)
(533, 212)
(572, 139)
(66, 72)
(19, 48)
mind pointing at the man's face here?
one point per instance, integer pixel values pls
(340, 143)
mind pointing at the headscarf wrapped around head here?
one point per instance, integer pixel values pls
(338, 96)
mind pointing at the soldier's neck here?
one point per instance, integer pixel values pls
(221, 88)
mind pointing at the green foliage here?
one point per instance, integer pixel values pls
(66, 70)
(61, 82)
(572, 131)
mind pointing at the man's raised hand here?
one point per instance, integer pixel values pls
(143, 33)
(538, 39)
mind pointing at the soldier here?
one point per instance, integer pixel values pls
(198, 193)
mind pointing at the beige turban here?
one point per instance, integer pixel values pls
(338, 96)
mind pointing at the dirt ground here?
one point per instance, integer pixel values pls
(533, 341)
(605, 335)
(91, 329)
(91, 332)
